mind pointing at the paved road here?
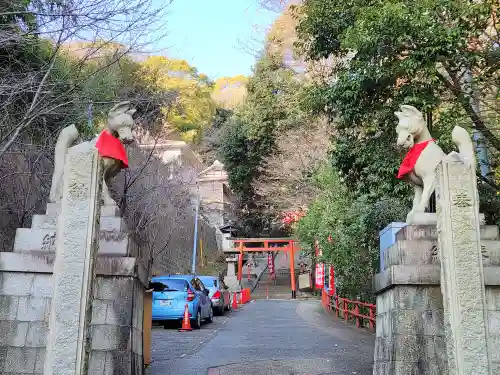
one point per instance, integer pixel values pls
(265, 337)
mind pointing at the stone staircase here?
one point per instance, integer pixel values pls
(280, 287)
(274, 289)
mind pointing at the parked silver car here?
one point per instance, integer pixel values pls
(218, 293)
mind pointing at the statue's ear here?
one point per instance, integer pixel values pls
(131, 111)
(411, 110)
(119, 108)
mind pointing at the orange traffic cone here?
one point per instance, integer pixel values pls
(235, 302)
(186, 323)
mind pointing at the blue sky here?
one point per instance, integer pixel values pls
(206, 34)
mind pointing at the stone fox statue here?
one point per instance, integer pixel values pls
(424, 155)
(118, 129)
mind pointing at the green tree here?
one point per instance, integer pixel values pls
(353, 224)
(271, 106)
(194, 107)
(413, 52)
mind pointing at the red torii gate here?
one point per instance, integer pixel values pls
(290, 247)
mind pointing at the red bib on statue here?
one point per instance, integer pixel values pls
(411, 158)
(111, 147)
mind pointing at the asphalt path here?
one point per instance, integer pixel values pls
(265, 337)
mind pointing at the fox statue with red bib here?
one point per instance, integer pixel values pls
(424, 155)
(109, 144)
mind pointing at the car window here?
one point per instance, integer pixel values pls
(169, 285)
(209, 281)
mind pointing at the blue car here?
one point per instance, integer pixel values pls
(172, 293)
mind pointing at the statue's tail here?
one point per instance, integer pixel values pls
(463, 141)
(66, 138)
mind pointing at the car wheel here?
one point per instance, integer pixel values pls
(196, 323)
(210, 318)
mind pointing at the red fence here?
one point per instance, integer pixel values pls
(360, 312)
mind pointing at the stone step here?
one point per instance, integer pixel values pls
(44, 240)
(429, 232)
(425, 251)
(53, 210)
(108, 223)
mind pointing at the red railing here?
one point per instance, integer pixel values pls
(358, 311)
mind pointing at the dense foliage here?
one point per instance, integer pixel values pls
(383, 54)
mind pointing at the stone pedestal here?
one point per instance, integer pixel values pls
(410, 335)
(231, 279)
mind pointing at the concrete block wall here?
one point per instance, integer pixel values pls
(410, 327)
(117, 315)
(24, 318)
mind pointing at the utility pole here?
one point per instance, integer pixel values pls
(195, 241)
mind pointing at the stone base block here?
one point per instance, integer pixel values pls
(429, 232)
(425, 252)
(44, 240)
(425, 275)
(53, 210)
(20, 267)
(430, 218)
(108, 223)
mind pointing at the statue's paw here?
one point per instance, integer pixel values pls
(409, 217)
(420, 208)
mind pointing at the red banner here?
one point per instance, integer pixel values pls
(270, 264)
(331, 281)
(320, 269)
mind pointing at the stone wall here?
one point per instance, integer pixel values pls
(24, 320)
(116, 328)
(25, 299)
(410, 325)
